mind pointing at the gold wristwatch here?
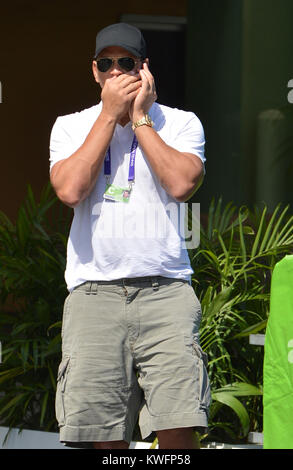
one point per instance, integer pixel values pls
(145, 121)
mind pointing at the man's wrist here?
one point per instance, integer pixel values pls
(137, 116)
(142, 120)
(107, 117)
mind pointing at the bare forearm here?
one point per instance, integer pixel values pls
(179, 174)
(74, 178)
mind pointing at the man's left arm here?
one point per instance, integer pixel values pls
(179, 173)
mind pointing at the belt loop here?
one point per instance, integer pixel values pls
(94, 287)
(155, 284)
(91, 288)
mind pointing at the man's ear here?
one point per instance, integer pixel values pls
(95, 71)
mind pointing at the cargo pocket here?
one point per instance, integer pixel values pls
(61, 384)
(204, 383)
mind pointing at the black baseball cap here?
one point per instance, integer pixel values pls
(124, 35)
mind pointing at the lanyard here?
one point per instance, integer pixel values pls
(107, 162)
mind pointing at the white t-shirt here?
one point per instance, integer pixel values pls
(111, 240)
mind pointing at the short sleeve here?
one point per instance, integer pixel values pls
(61, 145)
(189, 136)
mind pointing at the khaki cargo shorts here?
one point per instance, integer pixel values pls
(130, 348)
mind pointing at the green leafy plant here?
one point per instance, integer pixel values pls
(32, 291)
(232, 273)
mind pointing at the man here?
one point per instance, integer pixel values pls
(130, 324)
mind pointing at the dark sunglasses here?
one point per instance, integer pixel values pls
(125, 63)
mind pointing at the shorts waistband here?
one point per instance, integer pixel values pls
(144, 281)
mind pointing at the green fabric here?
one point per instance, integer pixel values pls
(278, 360)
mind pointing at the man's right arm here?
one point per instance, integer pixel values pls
(73, 178)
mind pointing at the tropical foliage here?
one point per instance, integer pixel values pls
(32, 291)
(232, 272)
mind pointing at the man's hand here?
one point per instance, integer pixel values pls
(118, 93)
(145, 97)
